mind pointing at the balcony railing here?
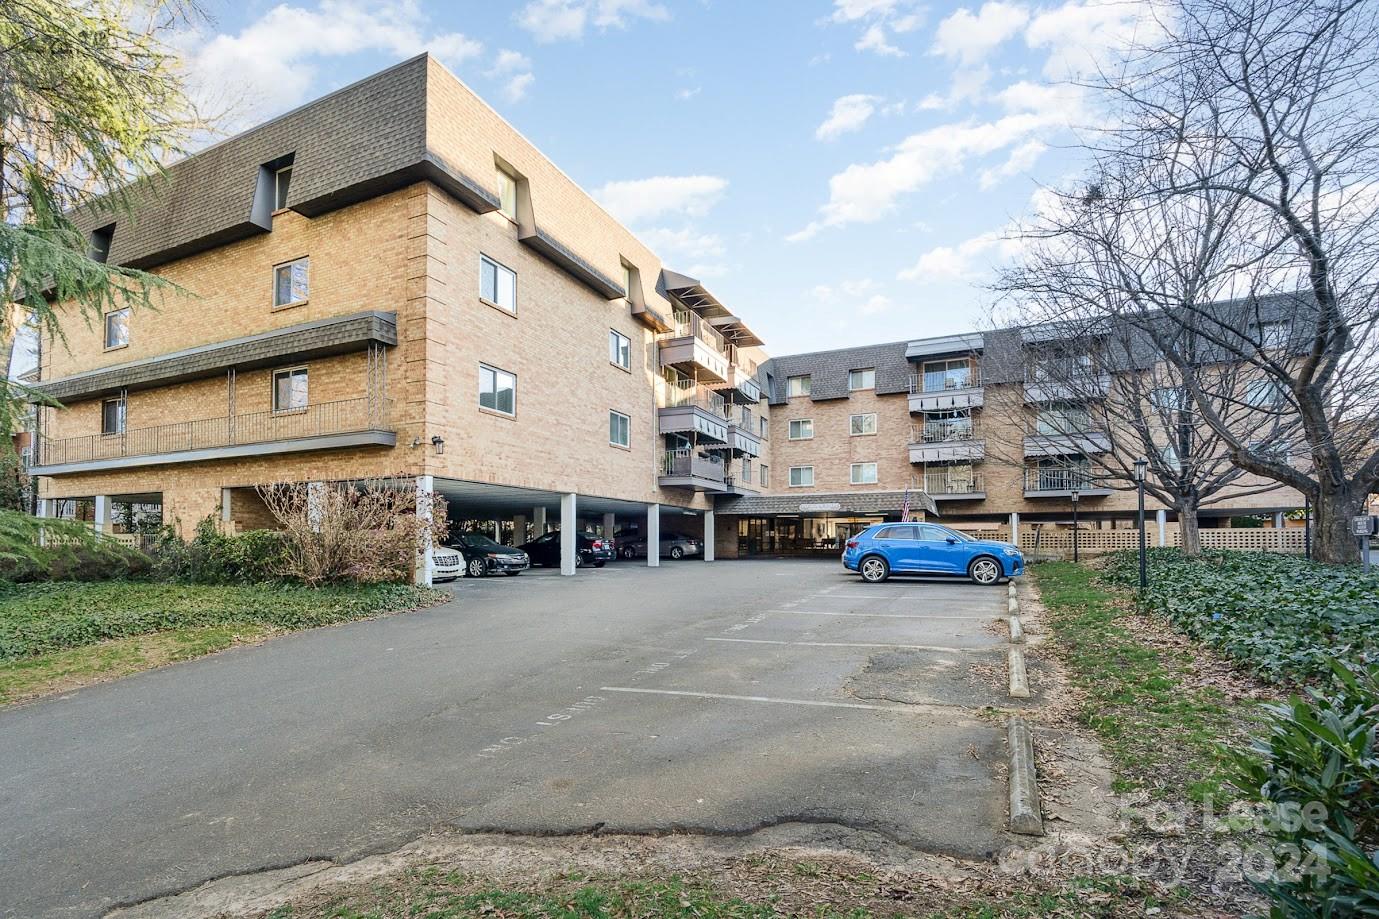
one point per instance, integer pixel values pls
(688, 392)
(686, 324)
(940, 381)
(688, 461)
(1058, 479)
(938, 432)
(938, 482)
(740, 360)
(343, 417)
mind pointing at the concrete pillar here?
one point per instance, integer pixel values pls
(1278, 520)
(708, 536)
(1014, 529)
(610, 522)
(653, 536)
(102, 524)
(44, 511)
(1161, 516)
(424, 570)
(498, 531)
(538, 522)
(519, 529)
(316, 503)
(226, 514)
(569, 532)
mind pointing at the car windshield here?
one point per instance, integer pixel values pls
(960, 537)
(477, 541)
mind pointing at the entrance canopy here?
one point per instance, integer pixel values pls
(865, 502)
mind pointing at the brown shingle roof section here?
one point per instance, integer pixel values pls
(828, 370)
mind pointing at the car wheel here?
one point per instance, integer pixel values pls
(874, 569)
(677, 553)
(984, 570)
(475, 568)
(626, 552)
(579, 560)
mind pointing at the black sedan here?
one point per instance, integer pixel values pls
(591, 550)
(484, 556)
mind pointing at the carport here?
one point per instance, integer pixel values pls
(536, 511)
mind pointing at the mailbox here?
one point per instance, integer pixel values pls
(1364, 526)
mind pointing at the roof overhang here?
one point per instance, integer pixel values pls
(945, 344)
(692, 294)
(735, 331)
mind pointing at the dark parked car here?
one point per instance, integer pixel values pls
(484, 556)
(592, 550)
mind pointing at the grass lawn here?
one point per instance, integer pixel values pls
(59, 635)
(1157, 716)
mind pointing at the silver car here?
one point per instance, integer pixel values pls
(673, 545)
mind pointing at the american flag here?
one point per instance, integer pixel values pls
(905, 507)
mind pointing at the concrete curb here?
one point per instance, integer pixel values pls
(1013, 605)
(1025, 817)
(1017, 631)
(1019, 679)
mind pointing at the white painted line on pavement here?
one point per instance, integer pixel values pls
(849, 644)
(816, 612)
(907, 710)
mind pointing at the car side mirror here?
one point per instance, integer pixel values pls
(951, 541)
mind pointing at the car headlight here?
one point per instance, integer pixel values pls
(1010, 550)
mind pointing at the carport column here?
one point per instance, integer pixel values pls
(653, 536)
(102, 514)
(519, 530)
(423, 573)
(44, 510)
(1278, 520)
(609, 521)
(226, 515)
(708, 536)
(316, 502)
(1015, 530)
(538, 521)
(1161, 517)
(569, 532)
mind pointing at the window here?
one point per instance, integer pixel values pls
(765, 475)
(1263, 394)
(619, 349)
(863, 474)
(117, 328)
(281, 180)
(627, 277)
(747, 418)
(112, 416)
(1063, 419)
(898, 532)
(862, 379)
(801, 476)
(100, 243)
(761, 425)
(802, 429)
(1170, 457)
(942, 375)
(497, 390)
(619, 429)
(507, 195)
(290, 390)
(1168, 398)
(863, 424)
(797, 386)
(1270, 334)
(290, 283)
(497, 285)
(747, 469)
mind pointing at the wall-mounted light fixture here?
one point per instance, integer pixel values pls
(439, 443)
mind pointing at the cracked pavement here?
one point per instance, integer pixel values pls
(704, 699)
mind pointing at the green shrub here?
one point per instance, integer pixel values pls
(1316, 774)
(1283, 617)
(36, 550)
(211, 557)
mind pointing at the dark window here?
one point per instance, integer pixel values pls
(290, 390)
(112, 416)
(100, 243)
(281, 180)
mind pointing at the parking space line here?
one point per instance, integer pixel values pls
(815, 612)
(847, 644)
(907, 710)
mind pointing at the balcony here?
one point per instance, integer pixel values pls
(739, 384)
(736, 485)
(1061, 481)
(692, 408)
(743, 440)
(952, 440)
(324, 426)
(1043, 385)
(1045, 442)
(945, 392)
(688, 467)
(695, 347)
(945, 485)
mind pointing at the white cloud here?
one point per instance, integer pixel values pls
(267, 66)
(969, 39)
(1021, 160)
(848, 114)
(966, 261)
(968, 83)
(514, 68)
(858, 296)
(874, 40)
(880, 19)
(688, 93)
(683, 245)
(638, 200)
(565, 20)
(1082, 35)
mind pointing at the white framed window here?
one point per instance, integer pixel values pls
(1270, 335)
(765, 472)
(865, 378)
(507, 195)
(802, 429)
(797, 386)
(629, 280)
(117, 328)
(761, 425)
(619, 429)
(801, 476)
(290, 390)
(747, 469)
(1263, 394)
(291, 283)
(862, 424)
(281, 180)
(619, 349)
(113, 416)
(862, 474)
(498, 284)
(497, 390)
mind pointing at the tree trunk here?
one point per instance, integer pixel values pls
(1332, 541)
(1188, 528)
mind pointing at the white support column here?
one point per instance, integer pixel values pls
(316, 502)
(569, 533)
(226, 512)
(44, 511)
(102, 524)
(1015, 529)
(1278, 520)
(424, 570)
(610, 521)
(498, 531)
(1161, 516)
(538, 521)
(708, 536)
(653, 536)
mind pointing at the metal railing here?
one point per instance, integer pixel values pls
(342, 417)
(941, 381)
(1058, 478)
(940, 482)
(938, 432)
(686, 324)
(688, 392)
(740, 361)
(688, 461)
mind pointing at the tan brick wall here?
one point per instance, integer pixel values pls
(834, 449)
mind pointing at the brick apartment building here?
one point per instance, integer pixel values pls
(391, 281)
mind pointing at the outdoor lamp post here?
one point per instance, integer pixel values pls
(1074, 496)
(1140, 465)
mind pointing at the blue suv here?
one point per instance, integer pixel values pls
(926, 548)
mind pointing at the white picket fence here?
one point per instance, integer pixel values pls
(1058, 543)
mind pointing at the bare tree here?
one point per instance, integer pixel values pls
(1232, 221)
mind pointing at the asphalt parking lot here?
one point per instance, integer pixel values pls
(716, 698)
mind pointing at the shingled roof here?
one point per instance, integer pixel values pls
(828, 370)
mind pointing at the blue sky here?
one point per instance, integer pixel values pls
(837, 171)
